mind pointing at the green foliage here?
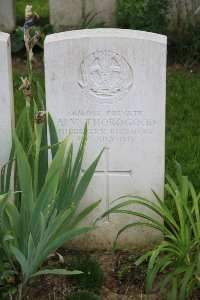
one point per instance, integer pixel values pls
(17, 37)
(184, 48)
(7, 279)
(178, 255)
(128, 272)
(142, 15)
(82, 295)
(152, 15)
(156, 16)
(124, 272)
(93, 276)
(184, 40)
(182, 117)
(130, 14)
(42, 219)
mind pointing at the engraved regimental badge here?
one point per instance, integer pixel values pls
(105, 77)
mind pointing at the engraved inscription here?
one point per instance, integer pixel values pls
(105, 77)
(109, 126)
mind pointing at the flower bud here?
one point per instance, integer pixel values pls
(25, 87)
(40, 117)
(25, 84)
(28, 12)
(33, 41)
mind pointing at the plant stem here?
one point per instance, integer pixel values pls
(20, 287)
(36, 162)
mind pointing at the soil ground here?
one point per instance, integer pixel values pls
(123, 280)
(19, 61)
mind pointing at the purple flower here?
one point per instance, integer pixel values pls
(29, 23)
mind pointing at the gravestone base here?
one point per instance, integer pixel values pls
(138, 237)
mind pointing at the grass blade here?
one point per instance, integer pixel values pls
(56, 272)
(53, 135)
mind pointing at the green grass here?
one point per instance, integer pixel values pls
(183, 124)
(41, 7)
(93, 276)
(182, 120)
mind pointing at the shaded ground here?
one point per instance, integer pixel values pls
(19, 61)
(123, 281)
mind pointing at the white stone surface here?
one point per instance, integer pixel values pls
(7, 15)
(115, 80)
(106, 11)
(67, 14)
(6, 99)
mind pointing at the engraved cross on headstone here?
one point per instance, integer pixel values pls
(107, 173)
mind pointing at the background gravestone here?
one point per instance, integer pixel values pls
(182, 13)
(67, 14)
(6, 99)
(115, 80)
(106, 11)
(7, 15)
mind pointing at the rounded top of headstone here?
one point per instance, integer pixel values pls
(106, 32)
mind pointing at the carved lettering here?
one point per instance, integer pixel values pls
(111, 126)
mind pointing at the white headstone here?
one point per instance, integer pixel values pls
(7, 15)
(68, 14)
(6, 99)
(115, 80)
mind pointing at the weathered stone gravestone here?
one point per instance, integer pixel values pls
(67, 14)
(7, 15)
(182, 13)
(6, 98)
(115, 80)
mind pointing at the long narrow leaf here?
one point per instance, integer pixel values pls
(84, 182)
(65, 181)
(53, 135)
(21, 259)
(25, 177)
(63, 239)
(84, 213)
(56, 272)
(76, 167)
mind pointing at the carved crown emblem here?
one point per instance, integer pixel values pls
(105, 77)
